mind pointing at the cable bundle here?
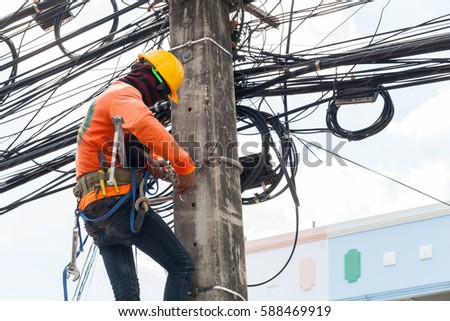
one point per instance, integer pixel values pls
(383, 120)
(258, 168)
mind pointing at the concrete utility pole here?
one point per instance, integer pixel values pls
(209, 221)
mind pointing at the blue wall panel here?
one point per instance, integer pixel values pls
(408, 277)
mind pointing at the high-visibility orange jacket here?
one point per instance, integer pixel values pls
(97, 131)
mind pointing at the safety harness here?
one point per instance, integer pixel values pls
(138, 179)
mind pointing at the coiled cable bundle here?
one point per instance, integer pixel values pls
(383, 120)
(258, 169)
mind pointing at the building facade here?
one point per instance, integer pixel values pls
(397, 256)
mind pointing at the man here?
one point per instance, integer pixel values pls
(108, 209)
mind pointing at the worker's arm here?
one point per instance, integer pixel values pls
(184, 183)
(160, 168)
(141, 123)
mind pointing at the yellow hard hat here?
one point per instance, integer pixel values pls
(169, 67)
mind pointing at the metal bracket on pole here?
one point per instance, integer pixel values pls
(187, 55)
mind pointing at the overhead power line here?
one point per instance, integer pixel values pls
(374, 63)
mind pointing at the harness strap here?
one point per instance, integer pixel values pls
(132, 213)
(93, 180)
(135, 220)
(109, 213)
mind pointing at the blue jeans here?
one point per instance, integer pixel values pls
(114, 238)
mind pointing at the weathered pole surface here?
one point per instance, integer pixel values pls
(209, 220)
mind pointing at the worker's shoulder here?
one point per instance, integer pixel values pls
(122, 87)
(119, 91)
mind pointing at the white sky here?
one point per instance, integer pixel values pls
(36, 238)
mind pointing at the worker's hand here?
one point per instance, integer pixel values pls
(161, 169)
(184, 183)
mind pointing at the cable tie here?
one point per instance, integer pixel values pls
(349, 135)
(264, 186)
(317, 65)
(332, 108)
(36, 8)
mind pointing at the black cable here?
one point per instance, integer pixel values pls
(52, 188)
(26, 152)
(257, 168)
(374, 171)
(269, 64)
(258, 120)
(294, 246)
(13, 72)
(382, 121)
(111, 48)
(17, 15)
(67, 8)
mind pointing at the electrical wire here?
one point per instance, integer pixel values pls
(258, 168)
(67, 9)
(375, 172)
(291, 254)
(382, 121)
(25, 151)
(382, 61)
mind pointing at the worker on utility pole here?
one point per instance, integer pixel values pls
(210, 222)
(106, 187)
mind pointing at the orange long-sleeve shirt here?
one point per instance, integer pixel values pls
(97, 130)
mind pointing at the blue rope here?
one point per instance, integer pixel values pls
(133, 212)
(79, 213)
(146, 176)
(109, 213)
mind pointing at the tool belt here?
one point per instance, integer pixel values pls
(92, 180)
